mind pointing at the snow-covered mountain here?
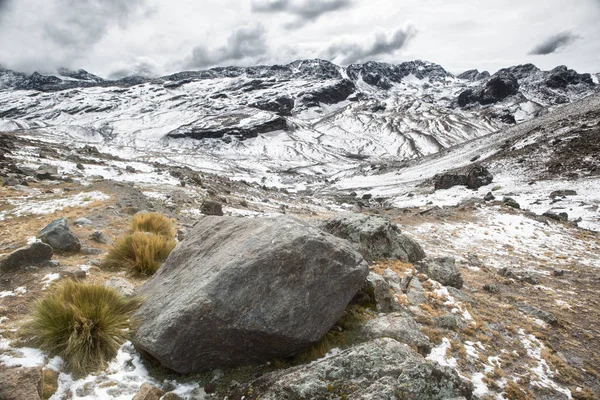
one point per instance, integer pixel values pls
(309, 118)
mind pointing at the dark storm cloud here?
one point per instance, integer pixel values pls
(554, 43)
(244, 43)
(305, 10)
(381, 44)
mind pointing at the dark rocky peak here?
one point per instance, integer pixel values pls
(474, 75)
(520, 71)
(80, 74)
(384, 75)
(316, 68)
(36, 81)
(499, 87)
(561, 77)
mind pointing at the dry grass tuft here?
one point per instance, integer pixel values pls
(85, 324)
(152, 223)
(141, 253)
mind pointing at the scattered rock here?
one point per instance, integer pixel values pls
(100, 237)
(240, 290)
(58, 235)
(377, 290)
(536, 312)
(379, 369)
(397, 326)
(443, 270)
(415, 292)
(460, 295)
(507, 273)
(34, 254)
(211, 207)
(374, 237)
(21, 383)
(489, 197)
(530, 278)
(83, 221)
(474, 260)
(562, 193)
(479, 176)
(121, 285)
(491, 288)
(46, 172)
(448, 321)
(79, 166)
(148, 392)
(91, 251)
(510, 202)
(132, 170)
(561, 217)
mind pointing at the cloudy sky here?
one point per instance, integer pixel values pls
(113, 38)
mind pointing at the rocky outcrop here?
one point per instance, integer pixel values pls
(499, 87)
(282, 105)
(239, 291)
(374, 237)
(211, 207)
(379, 369)
(443, 270)
(58, 235)
(561, 77)
(225, 129)
(34, 254)
(474, 75)
(330, 94)
(476, 177)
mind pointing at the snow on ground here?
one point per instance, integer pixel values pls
(497, 235)
(438, 354)
(119, 381)
(30, 206)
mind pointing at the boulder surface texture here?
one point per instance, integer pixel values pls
(374, 237)
(240, 291)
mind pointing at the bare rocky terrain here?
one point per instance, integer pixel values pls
(520, 323)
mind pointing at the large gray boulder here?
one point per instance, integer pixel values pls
(374, 237)
(443, 270)
(58, 235)
(240, 290)
(34, 254)
(379, 369)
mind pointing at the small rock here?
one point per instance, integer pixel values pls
(529, 278)
(34, 254)
(100, 237)
(510, 202)
(558, 272)
(562, 193)
(448, 321)
(561, 217)
(82, 221)
(489, 197)
(377, 290)
(58, 235)
(398, 326)
(21, 383)
(367, 196)
(129, 168)
(148, 392)
(507, 273)
(443, 270)
(415, 292)
(47, 172)
(121, 285)
(79, 166)
(211, 207)
(446, 181)
(72, 275)
(536, 312)
(171, 396)
(91, 251)
(491, 288)
(181, 234)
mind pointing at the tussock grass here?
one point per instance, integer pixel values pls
(83, 323)
(152, 223)
(141, 253)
